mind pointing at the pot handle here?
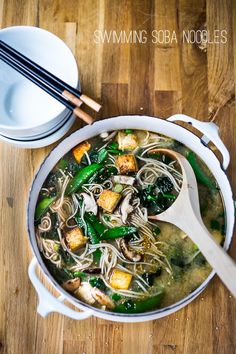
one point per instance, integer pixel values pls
(210, 131)
(49, 303)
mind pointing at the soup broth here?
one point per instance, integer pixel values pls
(93, 231)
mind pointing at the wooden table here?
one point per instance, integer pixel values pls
(155, 79)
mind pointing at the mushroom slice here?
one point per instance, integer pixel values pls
(126, 208)
(71, 285)
(102, 298)
(84, 293)
(90, 203)
(93, 270)
(129, 254)
(123, 180)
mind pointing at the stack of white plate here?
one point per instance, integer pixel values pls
(29, 117)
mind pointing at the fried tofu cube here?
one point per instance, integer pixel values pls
(108, 200)
(126, 163)
(120, 280)
(75, 239)
(80, 150)
(127, 141)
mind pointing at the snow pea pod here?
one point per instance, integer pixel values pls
(94, 239)
(140, 306)
(81, 177)
(93, 236)
(119, 231)
(91, 233)
(98, 226)
(43, 206)
(201, 176)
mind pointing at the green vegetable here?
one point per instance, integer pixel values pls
(169, 196)
(116, 297)
(61, 275)
(96, 223)
(128, 131)
(195, 247)
(81, 177)
(81, 275)
(94, 239)
(102, 154)
(150, 277)
(69, 273)
(201, 176)
(98, 283)
(97, 255)
(178, 261)
(140, 306)
(199, 260)
(66, 257)
(103, 174)
(43, 206)
(119, 231)
(177, 258)
(56, 247)
(63, 164)
(97, 231)
(215, 225)
(164, 184)
(118, 188)
(91, 232)
(98, 156)
(154, 155)
(114, 146)
(157, 230)
(115, 152)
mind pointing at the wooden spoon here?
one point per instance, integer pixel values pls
(185, 214)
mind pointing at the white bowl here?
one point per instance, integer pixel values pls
(41, 135)
(43, 141)
(25, 109)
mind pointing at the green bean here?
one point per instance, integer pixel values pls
(98, 226)
(140, 306)
(201, 176)
(117, 232)
(43, 206)
(102, 154)
(81, 177)
(94, 239)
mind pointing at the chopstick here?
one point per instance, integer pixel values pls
(62, 87)
(21, 69)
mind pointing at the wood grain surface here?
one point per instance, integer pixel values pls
(154, 79)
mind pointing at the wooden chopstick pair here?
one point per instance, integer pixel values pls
(60, 90)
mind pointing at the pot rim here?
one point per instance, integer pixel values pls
(81, 305)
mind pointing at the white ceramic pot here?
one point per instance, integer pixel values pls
(25, 109)
(47, 302)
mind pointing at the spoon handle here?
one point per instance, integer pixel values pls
(216, 256)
